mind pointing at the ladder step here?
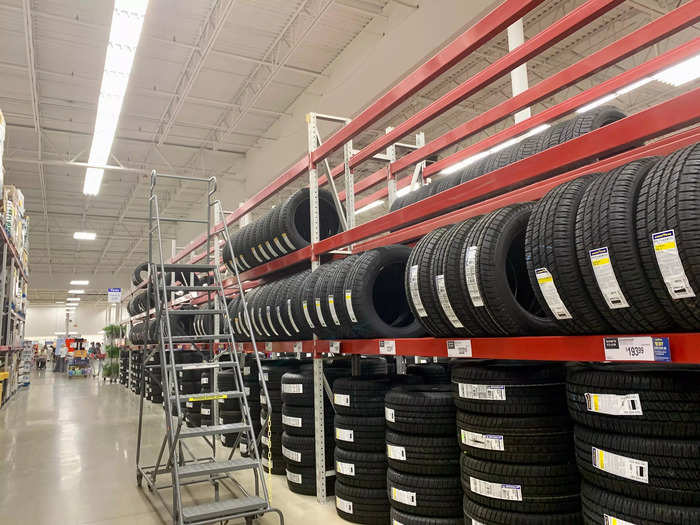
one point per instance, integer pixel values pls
(216, 467)
(209, 396)
(212, 289)
(204, 366)
(220, 510)
(232, 428)
(186, 267)
(197, 338)
(195, 312)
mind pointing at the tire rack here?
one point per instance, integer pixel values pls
(525, 180)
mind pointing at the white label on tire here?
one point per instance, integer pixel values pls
(264, 439)
(246, 389)
(395, 522)
(348, 305)
(286, 239)
(484, 441)
(396, 452)
(331, 306)
(245, 263)
(334, 347)
(389, 414)
(290, 454)
(551, 295)
(622, 466)
(279, 318)
(238, 326)
(341, 399)
(189, 404)
(291, 317)
(243, 447)
(255, 254)
(670, 265)
(260, 322)
(269, 320)
(496, 490)
(263, 400)
(221, 422)
(277, 242)
(387, 347)
(470, 262)
(205, 380)
(605, 276)
(206, 411)
(319, 312)
(255, 324)
(294, 478)
(459, 348)
(476, 522)
(403, 496)
(291, 421)
(293, 388)
(266, 377)
(343, 505)
(612, 520)
(445, 302)
(262, 252)
(614, 404)
(345, 468)
(270, 249)
(298, 346)
(415, 294)
(246, 370)
(486, 392)
(344, 435)
(305, 307)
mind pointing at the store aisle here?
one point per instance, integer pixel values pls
(67, 457)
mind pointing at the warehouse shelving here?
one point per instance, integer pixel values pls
(669, 123)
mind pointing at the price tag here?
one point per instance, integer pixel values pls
(387, 347)
(344, 435)
(298, 347)
(396, 452)
(268, 346)
(334, 347)
(341, 399)
(343, 505)
(347, 469)
(403, 496)
(459, 348)
(637, 349)
(389, 414)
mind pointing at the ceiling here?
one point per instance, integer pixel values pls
(209, 80)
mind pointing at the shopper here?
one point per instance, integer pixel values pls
(100, 357)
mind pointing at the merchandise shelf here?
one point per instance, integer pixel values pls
(12, 251)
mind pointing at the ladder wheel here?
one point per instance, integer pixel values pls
(139, 479)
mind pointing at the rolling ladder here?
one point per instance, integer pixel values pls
(175, 458)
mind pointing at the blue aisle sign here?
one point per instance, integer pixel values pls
(114, 295)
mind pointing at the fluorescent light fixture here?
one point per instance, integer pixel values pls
(596, 103)
(124, 35)
(59, 302)
(681, 73)
(466, 162)
(85, 236)
(634, 85)
(76, 291)
(73, 299)
(369, 206)
(404, 191)
(80, 283)
(537, 130)
(59, 333)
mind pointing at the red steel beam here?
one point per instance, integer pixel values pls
(643, 37)
(666, 117)
(534, 191)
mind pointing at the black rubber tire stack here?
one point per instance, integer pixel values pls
(229, 409)
(251, 388)
(299, 431)
(516, 438)
(271, 441)
(154, 391)
(135, 372)
(637, 442)
(423, 476)
(124, 367)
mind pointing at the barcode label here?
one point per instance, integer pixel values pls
(343, 505)
(613, 404)
(279, 318)
(291, 317)
(545, 280)
(331, 306)
(293, 388)
(305, 307)
(290, 454)
(470, 262)
(344, 435)
(622, 466)
(293, 477)
(341, 399)
(415, 293)
(345, 468)
(319, 312)
(389, 414)
(670, 265)
(396, 452)
(403, 496)
(484, 441)
(291, 421)
(483, 392)
(445, 302)
(348, 305)
(601, 262)
(496, 490)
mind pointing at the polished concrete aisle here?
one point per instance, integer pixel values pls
(67, 457)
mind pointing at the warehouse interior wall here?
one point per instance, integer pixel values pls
(44, 321)
(382, 54)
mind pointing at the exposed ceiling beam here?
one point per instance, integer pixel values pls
(215, 21)
(366, 9)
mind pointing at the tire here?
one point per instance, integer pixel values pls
(516, 439)
(358, 396)
(404, 518)
(670, 472)
(378, 295)
(327, 329)
(667, 201)
(660, 402)
(419, 283)
(361, 469)
(137, 277)
(590, 121)
(300, 451)
(294, 218)
(335, 297)
(422, 455)
(550, 250)
(475, 513)
(605, 221)
(431, 496)
(599, 503)
(295, 312)
(502, 299)
(510, 388)
(363, 434)
(308, 303)
(361, 505)
(426, 410)
(544, 489)
(302, 480)
(299, 421)
(297, 389)
(430, 373)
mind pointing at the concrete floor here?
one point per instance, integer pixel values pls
(67, 457)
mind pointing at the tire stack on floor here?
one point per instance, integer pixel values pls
(298, 422)
(517, 441)
(229, 409)
(637, 443)
(154, 390)
(423, 482)
(190, 382)
(124, 367)
(136, 356)
(271, 449)
(206, 408)
(251, 388)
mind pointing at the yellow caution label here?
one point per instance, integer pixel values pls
(209, 397)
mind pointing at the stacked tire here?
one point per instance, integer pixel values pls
(271, 441)
(135, 371)
(517, 462)
(229, 409)
(557, 134)
(298, 421)
(637, 442)
(252, 389)
(124, 367)
(423, 482)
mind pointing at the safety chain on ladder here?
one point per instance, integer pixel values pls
(269, 457)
